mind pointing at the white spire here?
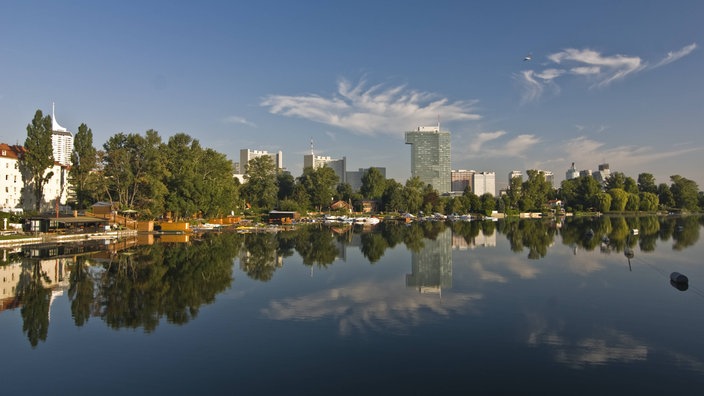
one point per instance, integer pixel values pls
(54, 124)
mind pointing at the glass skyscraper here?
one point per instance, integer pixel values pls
(430, 157)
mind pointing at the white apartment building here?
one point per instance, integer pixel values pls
(338, 165)
(247, 155)
(11, 183)
(484, 182)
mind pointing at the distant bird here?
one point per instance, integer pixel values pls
(528, 57)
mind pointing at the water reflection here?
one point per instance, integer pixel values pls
(134, 286)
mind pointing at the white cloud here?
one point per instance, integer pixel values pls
(601, 69)
(238, 120)
(365, 306)
(676, 55)
(515, 147)
(482, 138)
(372, 110)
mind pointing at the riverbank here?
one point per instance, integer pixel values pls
(20, 240)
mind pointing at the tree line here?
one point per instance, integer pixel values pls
(179, 176)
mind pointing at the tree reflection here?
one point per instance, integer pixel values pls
(35, 299)
(81, 291)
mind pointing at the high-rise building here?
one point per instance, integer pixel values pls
(572, 173)
(61, 141)
(247, 155)
(430, 157)
(602, 174)
(338, 165)
(514, 173)
(484, 182)
(460, 179)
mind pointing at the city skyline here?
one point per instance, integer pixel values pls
(355, 76)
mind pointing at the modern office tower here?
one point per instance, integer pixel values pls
(572, 173)
(246, 155)
(484, 182)
(514, 173)
(338, 165)
(460, 179)
(431, 268)
(354, 178)
(430, 157)
(549, 176)
(61, 141)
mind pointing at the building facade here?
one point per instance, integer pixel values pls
(247, 155)
(460, 179)
(337, 165)
(430, 157)
(14, 195)
(484, 182)
(61, 141)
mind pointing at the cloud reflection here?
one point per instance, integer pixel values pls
(366, 306)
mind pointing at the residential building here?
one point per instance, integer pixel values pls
(247, 155)
(484, 182)
(514, 173)
(61, 141)
(430, 157)
(338, 165)
(460, 179)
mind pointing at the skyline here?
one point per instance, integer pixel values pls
(606, 83)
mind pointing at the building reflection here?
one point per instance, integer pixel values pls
(431, 267)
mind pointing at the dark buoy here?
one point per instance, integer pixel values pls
(679, 281)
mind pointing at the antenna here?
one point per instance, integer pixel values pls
(311, 146)
(438, 122)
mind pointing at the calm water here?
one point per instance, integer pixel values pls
(529, 307)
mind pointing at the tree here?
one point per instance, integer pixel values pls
(373, 184)
(665, 195)
(38, 157)
(616, 180)
(320, 184)
(685, 192)
(83, 165)
(646, 183)
(285, 182)
(260, 187)
(488, 203)
(648, 201)
(630, 185)
(514, 192)
(619, 199)
(534, 192)
(392, 199)
(134, 170)
(413, 194)
(633, 203)
(603, 201)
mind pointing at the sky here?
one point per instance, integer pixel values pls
(617, 82)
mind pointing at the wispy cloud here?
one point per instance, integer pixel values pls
(372, 110)
(482, 138)
(514, 147)
(238, 120)
(600, 69)
(676, 55)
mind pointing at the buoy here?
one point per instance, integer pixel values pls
(679, 281)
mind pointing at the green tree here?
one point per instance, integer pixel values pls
(134, 170)
(603, 202)
(648, 201)
(619, 199)
(320, 184)
(630, 185)
(260, 188)
(646, 183)
(633, 203)
(285, 182)
(534, 192)
(616, 180)
(83, 164)
(514, 192)
(685, 192)
(38, 157)
(392, 199)
(488, 203)
(413, 194)
(373, 184)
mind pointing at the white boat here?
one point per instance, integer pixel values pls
(366, 220)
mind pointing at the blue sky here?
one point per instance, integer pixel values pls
(608, 81)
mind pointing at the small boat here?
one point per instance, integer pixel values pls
(634, 231)
(366, 220)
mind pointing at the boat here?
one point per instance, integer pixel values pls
(366, 220)
(634, 231)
